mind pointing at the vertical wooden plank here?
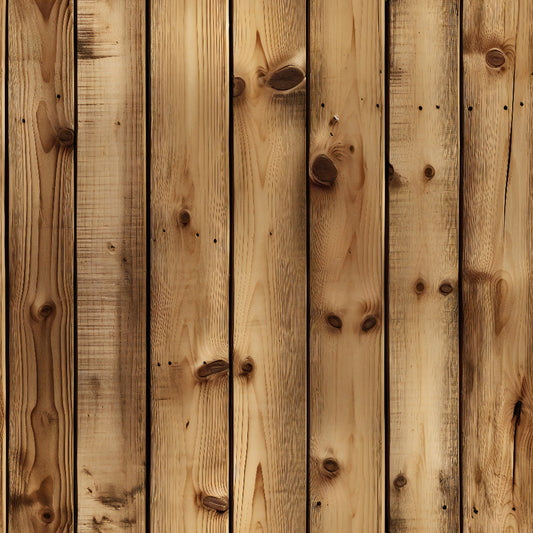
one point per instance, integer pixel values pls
(111, 237)
(270, 265)
(498, 266)
(423, 265)
(41, 240)
(346, 168)
(190, 265)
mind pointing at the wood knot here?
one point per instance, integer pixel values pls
(65, 137)
(495, 58)
(213, 503)
(247, 367)
(286, 78)
(238, 86)
(214, 367)
(323, 171)
(47, 515)
(369, 323)
(334, 321)
(400, 481)
(446, 288)
(419, 287)
(429, 172)
(330, 467)
(334, 120)
(46, 310)
(184, 217)
(390, 170)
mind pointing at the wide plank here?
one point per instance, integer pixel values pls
(423, 184)
(269, 358)
(190, 265)
(497, 264)
(346, 173)
(111, 255)
(40, 254)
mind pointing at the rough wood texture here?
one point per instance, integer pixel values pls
(40, 266)
(190, 266)
(111, 266)
(498, 266)
(423, 179)
(346, 169)
(270, 266)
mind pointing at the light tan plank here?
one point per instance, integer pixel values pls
(190, 265)
(346, 168)
(423, 266)
(41, 266)
(270, 266)
(111, 235)
(498, 266)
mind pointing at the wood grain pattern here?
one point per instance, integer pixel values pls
(498, 266)
(41, 266)
(190, 266)
(270, 266)
(423, 266)
(111, 237)
(346, 169)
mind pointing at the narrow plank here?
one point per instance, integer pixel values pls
(423, 266)
(41, 138)
(498, 266)
(3, 377)
(346, 168)
(111, 248)
(190, 265)
(270, 266)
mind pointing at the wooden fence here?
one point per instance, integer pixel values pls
(268, 266)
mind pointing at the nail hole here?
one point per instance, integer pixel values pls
(420, 107)
(470, 108)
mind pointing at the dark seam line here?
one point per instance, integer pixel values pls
(386, 246)
(510, 146)
(461, 103)
(75, 270)
(308, 263)
(231, 273)
(6, 266)
(148, 159)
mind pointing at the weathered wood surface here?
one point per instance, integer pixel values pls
(190, 265)
(423, 179)
(346, 173)
(269, 360)
(40, 248)
(111, 248)
(497, 266)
